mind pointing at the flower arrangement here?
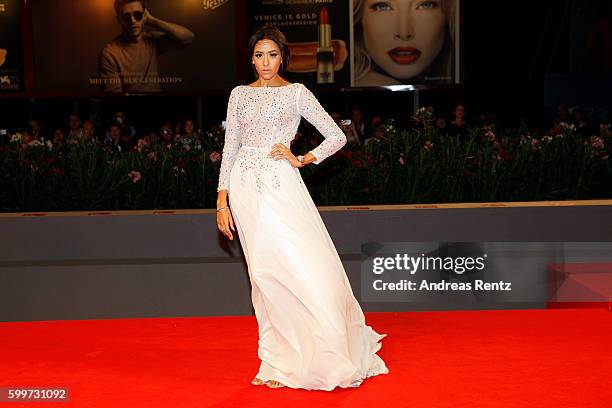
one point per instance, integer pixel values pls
(419, 165)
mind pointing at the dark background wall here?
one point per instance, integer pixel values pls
(168, 265)
(509, 50)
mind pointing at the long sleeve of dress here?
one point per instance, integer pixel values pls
(310, 108)
(232, 141)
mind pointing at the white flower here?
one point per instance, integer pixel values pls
(142, 143)
(16, 138)
(178, 171)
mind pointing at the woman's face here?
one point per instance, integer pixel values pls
(188, 127)
(403, 37)
(267, 59)
(115, 132)
(459, 111)
(88, 129)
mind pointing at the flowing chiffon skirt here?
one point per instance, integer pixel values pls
(312, 331)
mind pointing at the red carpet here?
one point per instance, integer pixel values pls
(519, 358)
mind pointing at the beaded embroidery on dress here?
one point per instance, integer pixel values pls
(312, 330)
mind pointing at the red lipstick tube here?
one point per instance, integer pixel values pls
(325, 51)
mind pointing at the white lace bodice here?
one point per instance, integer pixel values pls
(263, 116)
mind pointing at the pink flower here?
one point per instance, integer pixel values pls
(141, 144)
(58, 171)
(401, 159)
(134, 175)
(214, 156)
(490, 135)
(152, 156)
(428, 145)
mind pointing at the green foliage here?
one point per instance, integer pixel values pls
(426, 165)
(422, 165)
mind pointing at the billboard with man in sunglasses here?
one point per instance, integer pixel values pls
(129, 62)
(133, 46)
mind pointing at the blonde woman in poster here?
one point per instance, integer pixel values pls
(403, 42)
(312, 331)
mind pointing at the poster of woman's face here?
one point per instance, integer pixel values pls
(405, 42)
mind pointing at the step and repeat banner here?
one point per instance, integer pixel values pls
(11, 46)
(134, 46)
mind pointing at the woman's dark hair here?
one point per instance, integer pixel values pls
(269, 32)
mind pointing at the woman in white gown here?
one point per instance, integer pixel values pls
(312, 331)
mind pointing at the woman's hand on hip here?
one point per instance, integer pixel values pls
(280, 151)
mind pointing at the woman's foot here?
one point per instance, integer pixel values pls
(257, 381)
(274, 384)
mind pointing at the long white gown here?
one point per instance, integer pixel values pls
(312, 331)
